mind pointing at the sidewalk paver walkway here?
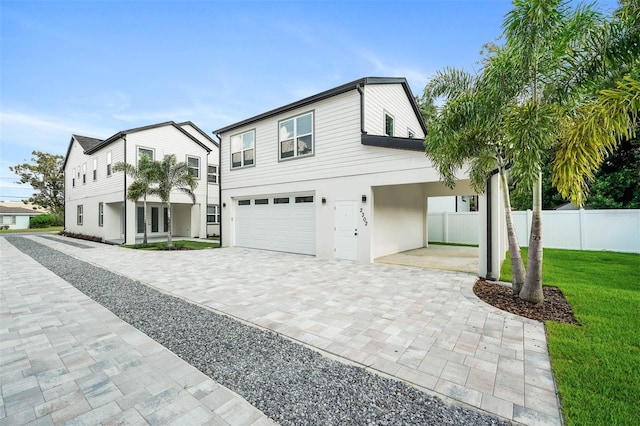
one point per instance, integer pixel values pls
(421, 326)
(66, 359)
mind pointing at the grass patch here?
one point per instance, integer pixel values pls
(49, 230)
(177, 245)
(597, 365)
(452, 244)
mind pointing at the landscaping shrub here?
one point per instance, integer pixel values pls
(81, 236)
(45, 221)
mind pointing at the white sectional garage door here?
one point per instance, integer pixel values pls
(280, 223)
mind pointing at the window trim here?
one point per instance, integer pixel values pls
(384, 123)
(198, 176)
(215, 174)
(100, 214)
(242, 166)
(80, 214)
(295, 136)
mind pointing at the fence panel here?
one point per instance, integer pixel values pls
(614, 230)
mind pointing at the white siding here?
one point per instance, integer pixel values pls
(390, 98)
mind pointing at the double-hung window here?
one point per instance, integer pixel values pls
(84, 173)
(95, 169)
(213, 213)
(80, 214)
(242, 149)
(100, 214)
(212, 174)
(295, 136)
(73, 178)
(194, 166)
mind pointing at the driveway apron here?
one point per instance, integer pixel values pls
(424, 327)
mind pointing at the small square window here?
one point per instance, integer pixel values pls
(145, 151)
(213, 213)
(410, 134)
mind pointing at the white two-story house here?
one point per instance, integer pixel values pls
(96, 201)
(341, 174)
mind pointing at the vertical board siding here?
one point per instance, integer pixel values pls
(614, 230)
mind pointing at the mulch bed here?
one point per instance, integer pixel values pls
(555, 306)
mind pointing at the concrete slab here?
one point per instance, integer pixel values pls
(447, 258)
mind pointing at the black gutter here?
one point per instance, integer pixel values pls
(360, 88)
(408, 144)
(124, 138)
(219, 188)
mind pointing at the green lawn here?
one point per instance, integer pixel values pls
(596, 365)
(180, 244)
(49, 230)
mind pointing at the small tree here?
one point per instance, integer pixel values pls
(45, 174)
(141, 187)
(169, 176)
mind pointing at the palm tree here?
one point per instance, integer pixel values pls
(141, 187)
(467, 131)
(169, 176)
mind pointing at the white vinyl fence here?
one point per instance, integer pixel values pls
(613, 230)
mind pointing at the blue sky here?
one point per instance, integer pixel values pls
(97, 67)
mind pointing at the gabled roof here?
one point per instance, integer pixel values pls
(334, 92)
(19, 210)
(189, 123)
(91, 145)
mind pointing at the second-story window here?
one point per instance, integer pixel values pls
(145, 151)
(194, 166)
(388, 124)
(295, 136)
(109, 163)
(212, 174)
(242, 149)
(95, 169)
(84, 173)
(73, 178)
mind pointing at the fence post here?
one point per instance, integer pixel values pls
(445, 225)
(583, 227)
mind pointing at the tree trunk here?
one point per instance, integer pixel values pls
(144, 238)
(532, 289)
(517, 266)
(169, 239)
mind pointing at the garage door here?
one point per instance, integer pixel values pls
(281, 223)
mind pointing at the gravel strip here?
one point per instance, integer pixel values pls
(69, 243)
(290, 383)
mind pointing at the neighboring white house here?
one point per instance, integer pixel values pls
(16, 217)
(95, 195)
(341, 174)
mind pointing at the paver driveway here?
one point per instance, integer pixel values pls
(422, 326)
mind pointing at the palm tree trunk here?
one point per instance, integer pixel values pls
(532, 289)
(144, 238)
(169, 239)
(517, 266)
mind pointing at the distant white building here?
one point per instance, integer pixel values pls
(95, 195)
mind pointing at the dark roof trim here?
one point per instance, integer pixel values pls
(199, 130)
(330, 93)
(119, 135)
(393, 142)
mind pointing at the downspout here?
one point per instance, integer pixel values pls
(124, 138)
(361, 91)
(219, 187)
